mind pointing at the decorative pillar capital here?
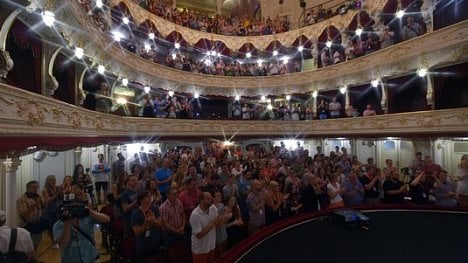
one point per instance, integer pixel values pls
(6, 63)
(12, 164)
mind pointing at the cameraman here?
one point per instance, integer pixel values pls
(74, 232)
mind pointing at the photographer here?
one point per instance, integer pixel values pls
(74, 232)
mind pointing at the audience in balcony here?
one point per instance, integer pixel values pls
(411, 30)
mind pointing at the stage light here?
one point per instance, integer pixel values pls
(358, 31)
(101, 69)
(288, 97)
(248, 55)
(237, 98)
(151, 35)
(263, 98)
(343, 90)
(315, 94)
(328, 44)
(400, 13)
(275, 53)
(422, 72)
(125, 20)
(171, 93)
(300, 48)
(196, 95)
(177, 45)
(147, 89)
(48, 17)
(375, 83)
(79, 52)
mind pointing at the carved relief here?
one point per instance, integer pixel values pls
(31, 111)
(6, 63)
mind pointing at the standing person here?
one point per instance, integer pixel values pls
(163, 177)
(256, 207)
(118, 167)
(204, 220)
(146, 224)
(80, 177)
(103, 101)
(173, 216)
(462, 184)
(101, 172)
(30, 206)
(23, 242)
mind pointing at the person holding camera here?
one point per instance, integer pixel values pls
(74, 232)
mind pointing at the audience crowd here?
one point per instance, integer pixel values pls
(185, 205)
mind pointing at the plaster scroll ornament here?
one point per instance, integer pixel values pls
(6, 63)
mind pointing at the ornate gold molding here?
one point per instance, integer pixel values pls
(36, 115)
(165, 27)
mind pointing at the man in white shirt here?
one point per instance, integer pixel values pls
(101, 171)
(335, 108)
(203, 221)
(23, 239)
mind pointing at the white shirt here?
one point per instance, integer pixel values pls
(198, 220)
(337, 197)
(23, 240)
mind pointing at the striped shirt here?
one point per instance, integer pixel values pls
(172, 213)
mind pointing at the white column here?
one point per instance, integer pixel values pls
(77, 152)
(11, 166)
(383, 101)
(430, 91)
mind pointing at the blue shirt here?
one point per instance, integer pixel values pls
(161, 175)
(79, 249)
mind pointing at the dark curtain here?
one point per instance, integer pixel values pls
(26, 51)
(360, 96)
(449, 12)
(406, 94)
(451, 87)
(64, 72)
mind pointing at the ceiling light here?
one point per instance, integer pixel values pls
(358, 31)
(151, 35)
(343, 90)
(121, 100)
(125, 81)
(99, 3)
(400, 13)
(259, 62)
(147, 89)
(79, 52)
(147, 47)
(422, 72)
(177, 45)
(248, 55)
(196, 95)
(300, 48)
(263, 98)
(174, 56)
(48, 17)
(315, 94)
(213, 53)
(125, 20)
(101, 69)
(328, 43)
(375, 83)
(171, 93)
(288, 97)
(269, 107)
(237, 98)
(285, 59)
(275, 53)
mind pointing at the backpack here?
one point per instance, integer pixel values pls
(13, 256)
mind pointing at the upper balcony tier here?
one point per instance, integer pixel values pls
(438, 48)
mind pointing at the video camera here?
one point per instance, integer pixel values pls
(71, 208)
(405, 171)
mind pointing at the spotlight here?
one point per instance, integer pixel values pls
(263, 98)
(237, 98)
(101, 69)
(151, 35)
(147, 89)
(48, 17)
(422, 72)
(171, 93)
(177, 45)
(125, 81)
(358, 31)
(196, 95)
(400, 13)
(248, 55)
(121, 100)
(328, 44)
(288, 97)
(79, 53)
(117, 36)
(375, 83)
(99, 3)
(343, 90)
(300, 48)
(315, 94)
(275, 53)
(125, 20)
(269, 107)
